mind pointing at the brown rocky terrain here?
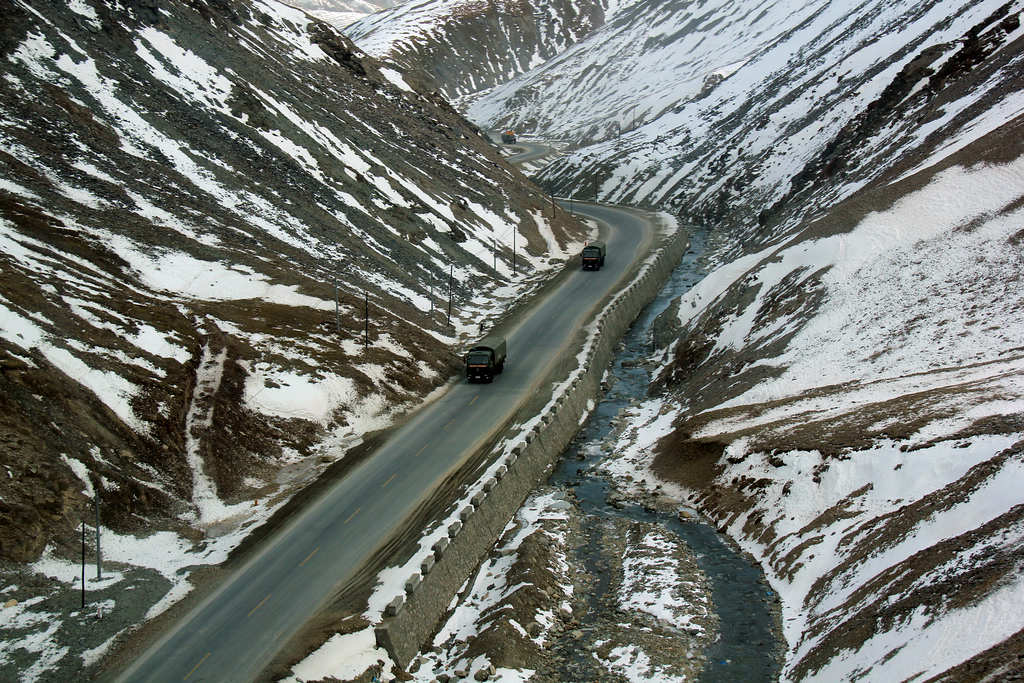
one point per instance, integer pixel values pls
(228, 237)
(76, 189)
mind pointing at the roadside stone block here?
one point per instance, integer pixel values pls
(394, 607)
(454, 528)
(465, 513)
(412, 583)
(427, 564)
(439, 548)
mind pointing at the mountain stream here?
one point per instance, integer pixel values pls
(746, 647)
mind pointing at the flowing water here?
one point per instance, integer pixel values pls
(747, 649)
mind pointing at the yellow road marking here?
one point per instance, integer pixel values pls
(352, 515)
(259, 605)
(196, 666)
(389, 480)
(420, 451)
(474, 399)
(315, 550)
(450, 422)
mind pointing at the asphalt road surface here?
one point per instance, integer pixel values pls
(235, 633)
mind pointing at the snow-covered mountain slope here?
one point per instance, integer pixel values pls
(341, 13)
(363, 7)
(743, 107)
(181, 186)
(849, 406)
(469, 46)
(338, 20)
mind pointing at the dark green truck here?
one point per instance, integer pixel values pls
(486, 359)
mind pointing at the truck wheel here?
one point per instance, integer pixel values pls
(501, 366)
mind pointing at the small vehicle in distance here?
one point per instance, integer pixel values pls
(486, 359)
(508, 136)
(593, 255)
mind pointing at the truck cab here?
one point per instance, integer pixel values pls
(508, 137)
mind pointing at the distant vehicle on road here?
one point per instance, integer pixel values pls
(593, 255)
(486, 359)
(508, 137)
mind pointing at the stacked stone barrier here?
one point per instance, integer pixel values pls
(412, 618)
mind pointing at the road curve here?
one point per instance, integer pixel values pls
(236, 631)
(531, 151)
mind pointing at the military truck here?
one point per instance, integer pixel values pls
(593, 255)
(508, 137)
(486, 359)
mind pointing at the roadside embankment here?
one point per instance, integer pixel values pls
(410, 619)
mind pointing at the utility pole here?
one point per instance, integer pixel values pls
(337, 308)
(366, 322)
(552, 206)
(99, 557)
(83, 564)
(494, 251)
(513, 252)
(451, 278)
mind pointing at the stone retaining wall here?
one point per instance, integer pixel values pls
(410, 620)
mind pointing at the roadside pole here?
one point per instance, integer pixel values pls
(83, 564)
(99, 557)
(337, 308)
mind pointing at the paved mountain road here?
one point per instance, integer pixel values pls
(236, 631)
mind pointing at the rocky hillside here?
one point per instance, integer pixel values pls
(469, 46)
(182, 185)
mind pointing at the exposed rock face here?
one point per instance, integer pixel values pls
(181, 186)
(468, 46)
